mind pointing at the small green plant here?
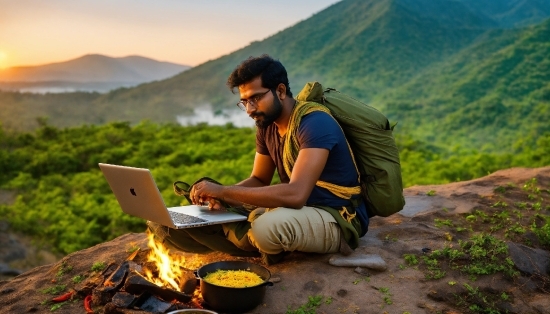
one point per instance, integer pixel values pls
(358, 280)
(451, 283)
(54, 290)
(504, 296)
(386, 295)
(488, 255)
(502, 204)
(486, 303)
(531, 186)
(543, 233)
(310, 307)
(132, 249)
(63, 269)
(434, 270)
(78, 278)
(500, 189)
(440, 222)
(480, 255)
(390, 238)
(521, 205)
(431, 193)
(57, 306)
(516, 228)
(410, 259)
(98, 266)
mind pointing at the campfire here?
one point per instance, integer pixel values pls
(161, 282)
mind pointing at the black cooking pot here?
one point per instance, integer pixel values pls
(229, 299)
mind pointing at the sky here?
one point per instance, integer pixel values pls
(189, 32)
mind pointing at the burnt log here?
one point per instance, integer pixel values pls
(137, 285)
(124, 299)
(116, 279)
(150, 303)
(87, 286)
(101, 297)
(188, 282)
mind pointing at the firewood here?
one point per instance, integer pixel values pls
(137, 284)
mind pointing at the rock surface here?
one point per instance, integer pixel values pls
(372, 261)
(428, 223)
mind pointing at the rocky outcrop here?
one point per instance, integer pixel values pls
(396, 268)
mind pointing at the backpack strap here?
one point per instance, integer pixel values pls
(292, 147)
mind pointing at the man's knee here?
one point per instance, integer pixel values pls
(283, 229)
(272, 232)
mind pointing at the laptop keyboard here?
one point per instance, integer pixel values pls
(179, 218)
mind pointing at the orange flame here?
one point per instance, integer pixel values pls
(171, 267)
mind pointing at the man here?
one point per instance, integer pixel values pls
(303, 213)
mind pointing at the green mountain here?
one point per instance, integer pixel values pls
(363, 47)
(511, 13)
(446, 70)
(493, 90)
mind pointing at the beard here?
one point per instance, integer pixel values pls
(266, 118)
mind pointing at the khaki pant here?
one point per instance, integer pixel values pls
(272, 231)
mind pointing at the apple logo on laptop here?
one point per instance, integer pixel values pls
(133, 191)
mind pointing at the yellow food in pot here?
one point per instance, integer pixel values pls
(233, 278)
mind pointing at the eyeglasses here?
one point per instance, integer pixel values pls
(251, 101)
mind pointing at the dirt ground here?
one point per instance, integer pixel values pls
(402, 288)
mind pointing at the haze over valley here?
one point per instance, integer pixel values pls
(89, 73)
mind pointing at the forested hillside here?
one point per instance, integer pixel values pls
(487, 94)
(65, 202)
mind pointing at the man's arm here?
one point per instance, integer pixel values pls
(307, 170)
(262, 172)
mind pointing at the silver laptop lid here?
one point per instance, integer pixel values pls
(137, 193)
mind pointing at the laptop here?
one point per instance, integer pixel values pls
(138, 195)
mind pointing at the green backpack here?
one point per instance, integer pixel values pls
(369, 135)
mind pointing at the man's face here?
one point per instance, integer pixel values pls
(262, 105)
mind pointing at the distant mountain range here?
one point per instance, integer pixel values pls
(92, 72)
(467, 72)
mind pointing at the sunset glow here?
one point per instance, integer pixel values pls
(3, 60)
(184, 32)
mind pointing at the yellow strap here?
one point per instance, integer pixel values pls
(346, 215)
(338, 190)
(292, 148)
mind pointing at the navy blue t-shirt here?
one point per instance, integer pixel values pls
(317, 130)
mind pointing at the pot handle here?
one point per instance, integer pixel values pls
(196, 273)
(267, 283)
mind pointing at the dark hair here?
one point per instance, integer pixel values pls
(271, 71)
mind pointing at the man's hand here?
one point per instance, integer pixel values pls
(204, 192)
(214, 204)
